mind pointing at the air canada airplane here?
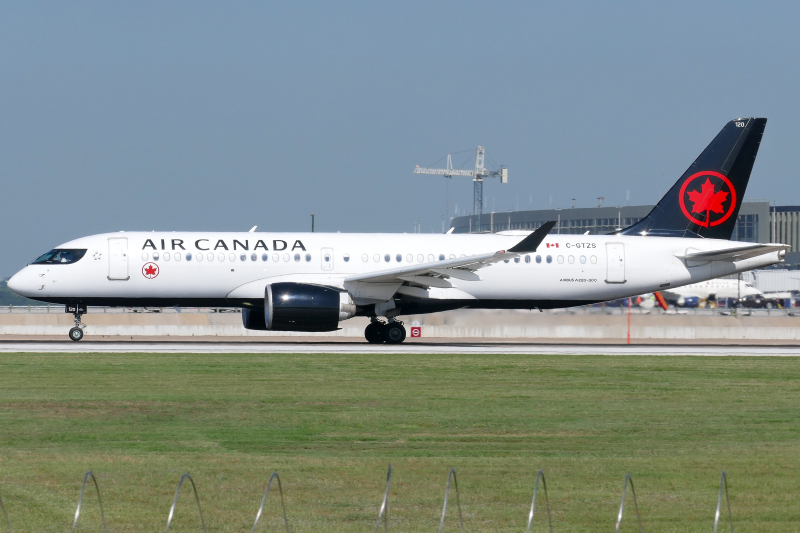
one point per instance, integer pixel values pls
(313, 281)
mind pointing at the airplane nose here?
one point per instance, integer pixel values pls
(16, 283)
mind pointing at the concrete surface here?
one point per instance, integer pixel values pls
(465, 324)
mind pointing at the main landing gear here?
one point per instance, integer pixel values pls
(76, 333)
(378, 332)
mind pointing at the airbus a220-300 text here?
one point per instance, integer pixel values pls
(314, 281)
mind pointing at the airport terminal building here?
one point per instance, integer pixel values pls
(758, 222)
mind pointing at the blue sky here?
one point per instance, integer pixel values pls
(221, 116)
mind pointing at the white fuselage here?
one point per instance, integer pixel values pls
(719, 288)
(207, 268)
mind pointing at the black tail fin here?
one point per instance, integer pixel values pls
(705, 201)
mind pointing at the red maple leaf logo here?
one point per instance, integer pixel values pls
(706, 199)
(150, 270)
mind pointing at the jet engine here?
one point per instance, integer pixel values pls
(300, 307)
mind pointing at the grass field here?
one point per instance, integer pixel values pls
(331, 424)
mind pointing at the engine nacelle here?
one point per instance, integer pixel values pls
(300, 307)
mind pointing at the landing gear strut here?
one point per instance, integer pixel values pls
(378, 332)
(76, 333)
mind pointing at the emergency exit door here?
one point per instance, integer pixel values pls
(118, 258)
(615, 253)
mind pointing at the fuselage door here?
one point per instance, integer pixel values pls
(327, 259)
(615, 252)
(118, 258)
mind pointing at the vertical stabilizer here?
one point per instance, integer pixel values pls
(705, 201)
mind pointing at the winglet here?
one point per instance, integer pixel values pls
(532, 241)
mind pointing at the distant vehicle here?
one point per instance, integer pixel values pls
(759, 301)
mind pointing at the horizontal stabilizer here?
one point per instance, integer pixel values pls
(735, 254)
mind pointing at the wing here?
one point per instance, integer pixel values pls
(735, 254)
(462, 268)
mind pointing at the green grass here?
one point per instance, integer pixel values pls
(331, 423)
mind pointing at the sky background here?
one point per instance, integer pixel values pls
(225, 115)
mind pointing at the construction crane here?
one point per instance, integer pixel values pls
(477, 175)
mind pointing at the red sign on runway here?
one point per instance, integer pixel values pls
(416, 331)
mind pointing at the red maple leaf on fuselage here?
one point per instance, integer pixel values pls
(150, 270)
(707, 200)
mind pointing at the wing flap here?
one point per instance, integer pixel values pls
(735, 254)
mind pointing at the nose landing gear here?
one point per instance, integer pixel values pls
(76, 333)
(378, 332)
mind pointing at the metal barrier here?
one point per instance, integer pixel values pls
(628, 479)
(452, 476)
(8, 523)
(264, 500)
(80, 502)
(175, 502)
(384, 512)
(723, 479)
(540, 474)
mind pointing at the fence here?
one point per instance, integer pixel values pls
(383, 514)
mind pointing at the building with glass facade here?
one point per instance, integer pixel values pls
(754, 224)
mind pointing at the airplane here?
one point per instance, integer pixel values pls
(314, 281)
(719, 288)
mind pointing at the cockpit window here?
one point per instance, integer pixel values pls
(60, 257)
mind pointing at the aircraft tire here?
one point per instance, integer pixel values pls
(394, 333)
(76, 334)
(374, 333)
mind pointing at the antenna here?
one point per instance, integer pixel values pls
(600, 200)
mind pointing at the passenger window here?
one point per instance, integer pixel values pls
(516, 259)
(420, 258)
(253, 257)
(296, 257)
(232, 257)
(155, 256)
(286, 257)
(210, 256)
(583, 259)
(431, 258)
(243, 257)
(527, 259)
(452, 256)
(376, 258)
(177, 256)
(364, 258)
(398, 258)
(410, 258)
(221, 257)
(441, 257)
(199, 256)
(276, 257)
(560, 259)
(167, 257)
(549, 259)
(188, 256)
(327, 258)
(593, 259)
(505, 260)
(346, 258)
(539, 259)
(264, 257)
(571, 259)
(145, 256)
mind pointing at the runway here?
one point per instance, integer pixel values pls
(409, 348)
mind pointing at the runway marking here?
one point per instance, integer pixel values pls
(415, 348)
